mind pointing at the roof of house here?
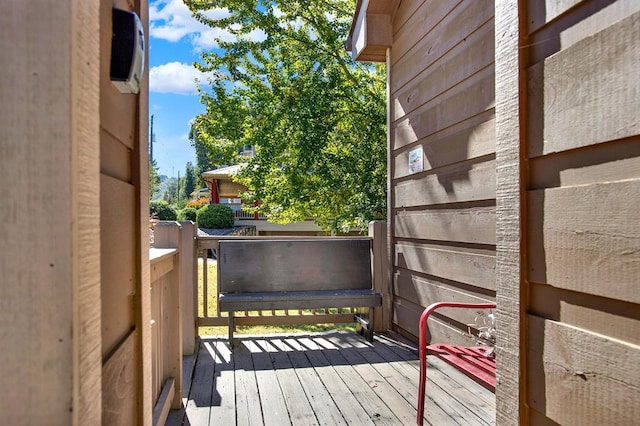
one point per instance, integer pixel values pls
(224, 172)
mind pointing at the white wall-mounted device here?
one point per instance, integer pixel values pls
(127, 51)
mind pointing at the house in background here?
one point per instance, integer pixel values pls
(225, 191)
(514, 176)
(201, 193)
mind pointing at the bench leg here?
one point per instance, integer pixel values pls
(368, 334)
(366, 325)
(232, 326)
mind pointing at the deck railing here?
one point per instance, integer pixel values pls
(170, 299)
(240, 214)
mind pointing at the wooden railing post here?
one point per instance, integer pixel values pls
(168, 235)
(380, 270)
(189, 286)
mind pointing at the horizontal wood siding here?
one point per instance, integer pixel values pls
(442, 221)
(124, 244)
(582, 198)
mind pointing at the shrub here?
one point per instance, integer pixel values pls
(201, 202)
(215, 216)
(162, 210)
(188, 213)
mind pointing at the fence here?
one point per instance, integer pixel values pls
(171, 299)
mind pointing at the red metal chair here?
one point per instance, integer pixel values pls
(472, 361)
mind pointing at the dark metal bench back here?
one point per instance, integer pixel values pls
(247, 266)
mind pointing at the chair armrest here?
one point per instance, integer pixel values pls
(423, 338)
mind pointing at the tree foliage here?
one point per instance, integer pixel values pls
(316, 117)
(154, 179)
(204, 163)
(189, 180)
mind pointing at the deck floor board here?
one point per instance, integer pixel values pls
(327, 378)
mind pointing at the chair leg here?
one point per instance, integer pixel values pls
(423, 375)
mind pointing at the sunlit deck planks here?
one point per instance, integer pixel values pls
(328, 378)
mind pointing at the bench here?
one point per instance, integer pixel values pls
(476, 362)
(270, 274)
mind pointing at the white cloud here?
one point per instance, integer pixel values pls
(175, 77)
(171, 20)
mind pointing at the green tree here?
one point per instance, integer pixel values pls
(316, 117)
(170, 191)
(189, 180)
(154, 179)
(204, 161)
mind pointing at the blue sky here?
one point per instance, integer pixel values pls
(176, 40)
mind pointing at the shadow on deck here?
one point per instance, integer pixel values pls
(325, 378)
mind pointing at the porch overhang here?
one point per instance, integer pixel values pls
(371, 32)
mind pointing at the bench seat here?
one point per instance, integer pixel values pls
(299, 300)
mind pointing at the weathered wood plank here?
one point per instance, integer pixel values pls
(425, 291)
(608, 162)
(406, 314)
(455, 184)
(324, 406)
(223, 404)
(176, 417)
(466, 18)
(381, 270)
(368, 383)
(464, 60)
(360, 389)
(49, 251)
(163, 404)
(396, 402)
(583, 237)
(470, 139)
(340, 391)
(471, 97)
(199, 400)
(456, 397)
(115, 157)
(466, 225)
(248, 408)
(575, 85)
(274, 406)
(162, 263)
(612, 318)
(540, 13)
(120, 384)
(299, 408)
(585, 20)
(117, 248)
(414, 21)
(509, 282)
(119, 110)
(453, 381)
(406, 10)
(579, 377)
(473, 267)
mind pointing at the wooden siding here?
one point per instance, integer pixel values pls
(126, 387)
(442, 219)
(582, 196)
(49, 255)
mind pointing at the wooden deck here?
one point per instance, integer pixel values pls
(323, 379)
